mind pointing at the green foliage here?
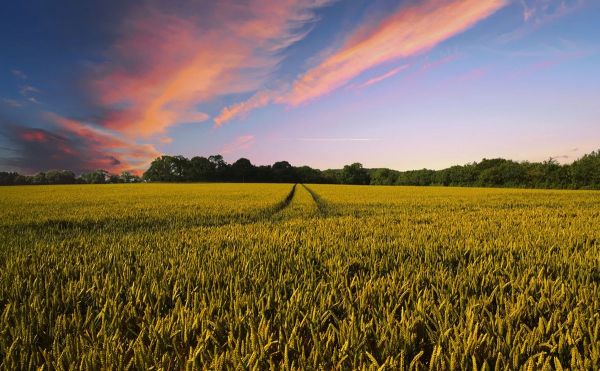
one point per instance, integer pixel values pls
(586, 171)
(96, 177)
(582, 174)
(355, 174)
(384, 177)
(253, 276)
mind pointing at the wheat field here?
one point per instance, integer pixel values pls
(282, 276)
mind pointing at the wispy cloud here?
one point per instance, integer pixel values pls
(28, 90)
(19, 74)
(542, 11)
(12, 103)
(544, 64)
(240, 143)
(409, 31)
(326, 139)
(537, 13)
(166, 64)
(103, 148)
(387, 75)
(258, 100)
(29, 93)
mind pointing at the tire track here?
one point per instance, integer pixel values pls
(323, 207)
(132, 225)
(285, 202)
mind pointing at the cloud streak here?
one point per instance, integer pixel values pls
(337, 139)
(409, 31)
(129, 156)
(12, 103)
(74, 145)
(258, 100)
(542, 11)
(165, 65)
(240, 143)
(386, 75)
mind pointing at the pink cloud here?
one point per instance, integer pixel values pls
(258, 100)
(165, 65)
(386, 75)
(34, 135)
(439, 62)
(407, 32)
(105, 149)
(166, 140)
(240, 143)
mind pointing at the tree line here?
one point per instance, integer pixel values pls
(583, 173)
(67, 177)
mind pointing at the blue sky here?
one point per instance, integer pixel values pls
(399, 84)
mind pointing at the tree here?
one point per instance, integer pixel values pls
(168, 169)
(306, 174)
(355, 174)
(242, 170)
(96, 177)
(421, 177)
(7, 178)
(127, 177)
(218, 161)
(283, 172)
(220, 165)
(201, 169)
(39, 178)
(384, 177)
(60, 177)
(181, 168)
(585, 171)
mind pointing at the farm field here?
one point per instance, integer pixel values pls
(282, 276)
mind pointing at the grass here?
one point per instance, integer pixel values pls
(258, 276)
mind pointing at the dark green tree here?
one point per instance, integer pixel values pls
(355, 174)
(242, 170)
(202, 169)
(384, 177)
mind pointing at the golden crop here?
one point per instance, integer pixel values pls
(252, 276)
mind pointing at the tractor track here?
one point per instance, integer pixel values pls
(323, 208)
(129, 225)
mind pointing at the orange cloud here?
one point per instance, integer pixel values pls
(165, 65)
(258, 100)
(166, 140)
(409, 31)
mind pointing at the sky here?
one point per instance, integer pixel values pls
(403, 84)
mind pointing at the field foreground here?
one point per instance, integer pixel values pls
(257, 276)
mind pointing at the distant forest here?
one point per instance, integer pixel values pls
(584, 173)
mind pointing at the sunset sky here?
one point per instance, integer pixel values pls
(388, 83)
